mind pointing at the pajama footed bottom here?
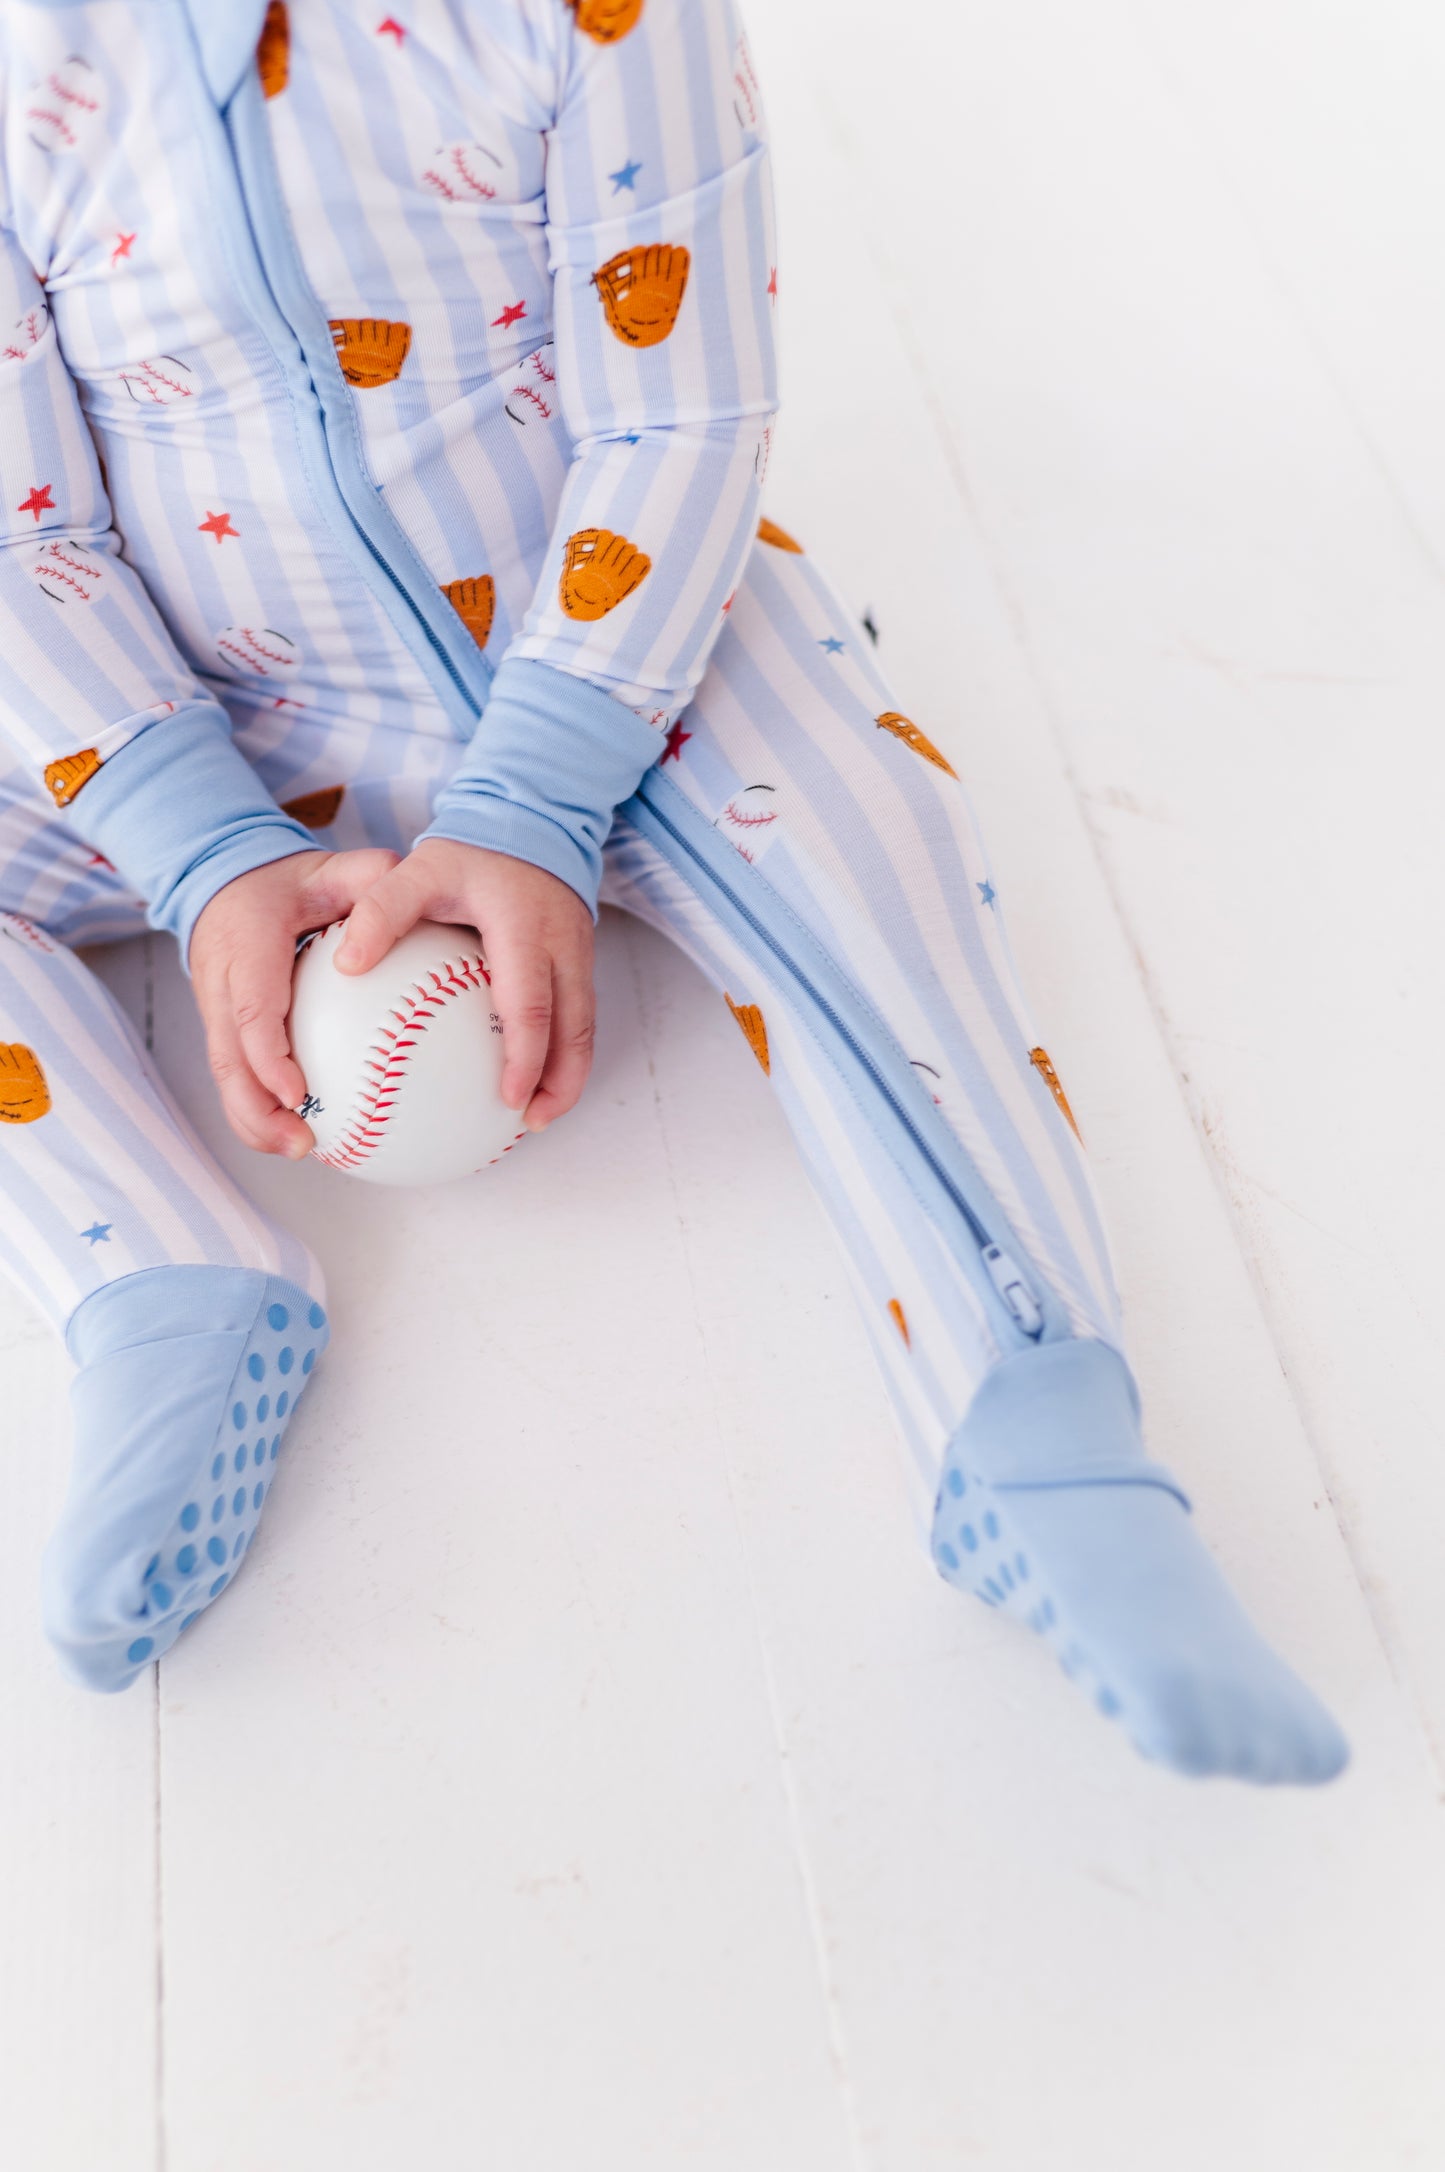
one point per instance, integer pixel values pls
(188, 1379)
(1049, 1511)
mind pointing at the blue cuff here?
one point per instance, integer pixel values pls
(551, 759)
(179, 812)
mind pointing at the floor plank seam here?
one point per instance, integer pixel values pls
(797, 1832)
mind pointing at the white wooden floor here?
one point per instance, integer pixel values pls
(588, 1774)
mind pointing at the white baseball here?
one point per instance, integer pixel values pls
(258, 652)
(403, 1065)
(161, 381)
(463, 173)
(69, 572)
(750, 820)
(62, 107)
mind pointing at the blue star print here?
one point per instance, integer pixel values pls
(98, 1232)
(625, 176)
(986, 891)
(833, 645)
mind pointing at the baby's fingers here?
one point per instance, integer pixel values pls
(569, 1052)
(522, 993)
(260, 997)
(380, 918)
(252, 1110)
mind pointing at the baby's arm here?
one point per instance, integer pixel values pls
(136, 755)
(660, 231)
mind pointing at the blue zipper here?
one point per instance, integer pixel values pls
(266, 273)
(1003, 1283)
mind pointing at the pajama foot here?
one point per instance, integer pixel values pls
(1050, 1511)
(189, 1377)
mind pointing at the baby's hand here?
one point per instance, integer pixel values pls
(537, 935)
(243, 950)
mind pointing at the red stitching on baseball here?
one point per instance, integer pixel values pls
(54, 550)
(57, 120)
(541, 368)
(63, 90)
(388, 1063)
(750, 821)
(275, 656)
(529, 393)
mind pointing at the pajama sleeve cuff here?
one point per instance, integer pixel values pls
(552, 758)
(179, 812)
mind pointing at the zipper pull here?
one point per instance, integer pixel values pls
(1009, 1282)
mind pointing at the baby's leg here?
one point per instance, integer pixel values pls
(193, 1318)
(814, 852)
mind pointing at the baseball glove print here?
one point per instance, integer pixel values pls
(24, 1095)
(475, 603)
(370, 351)
(599, 571)
(63, 779)
(770, 532)
(754, 1030)
(642, 292)
(908, 732)
(605, 21)
(273, 52)
(316, 810)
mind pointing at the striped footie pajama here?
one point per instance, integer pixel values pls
(386, 405)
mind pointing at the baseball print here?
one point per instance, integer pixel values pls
(258, 652)
(163, 381)
(370, 350)
(754, 1030)
(66, 571)
(606, 20)
(69, 776)
(27, 332)
(750, 821)
(642, 291)
(533, 398)
(902, 728)
(24, 1095)
(273, 51)
(599, 571)
(462, 173)
(60, 110)
(475, 603)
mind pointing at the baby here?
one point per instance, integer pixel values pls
(385, 404)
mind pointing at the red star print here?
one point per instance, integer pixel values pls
(218, 525)
(122, 247)
(677, 739)
(512, 315)
(98, 859)
(732, 599)
(38, 502)
(773, 282)
(391, 28)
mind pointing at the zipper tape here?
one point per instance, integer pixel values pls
(1023, 1309)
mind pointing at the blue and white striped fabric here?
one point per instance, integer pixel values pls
(410, 346)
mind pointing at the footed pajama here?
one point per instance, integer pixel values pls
(382, 437)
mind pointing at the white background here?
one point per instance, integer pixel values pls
(588, 1774)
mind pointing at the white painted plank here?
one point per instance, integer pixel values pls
(78, 1949)
(474, 1779)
